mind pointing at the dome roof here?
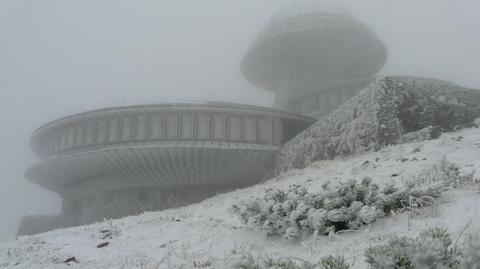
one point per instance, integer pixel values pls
(299, 8)
(314, 39)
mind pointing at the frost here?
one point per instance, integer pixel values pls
(389, 111)
(297, 213)
(433, 248)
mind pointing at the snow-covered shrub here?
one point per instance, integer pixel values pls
(431, 249)
(245, 260)
(333, 262)
(446, 173)
(297, 213)
(434, 248)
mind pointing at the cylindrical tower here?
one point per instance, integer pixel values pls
(310, 47)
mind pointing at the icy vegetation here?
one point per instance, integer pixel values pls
(368, 230)
(389, 111)
(246, 260)
(433, 248)
(296, 213)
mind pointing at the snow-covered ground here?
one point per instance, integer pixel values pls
(205, 234)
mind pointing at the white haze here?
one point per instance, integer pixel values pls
(60, 57)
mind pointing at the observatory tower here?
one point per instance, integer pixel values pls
(314, 55)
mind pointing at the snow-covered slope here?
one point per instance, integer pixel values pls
(205, 234)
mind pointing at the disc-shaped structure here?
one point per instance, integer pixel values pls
(168, 146)
(312, 41)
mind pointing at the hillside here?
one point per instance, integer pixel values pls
(205, 235)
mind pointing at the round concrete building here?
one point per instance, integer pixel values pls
(314, 55)
(121, 161)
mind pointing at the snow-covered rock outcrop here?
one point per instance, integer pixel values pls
(389, 111)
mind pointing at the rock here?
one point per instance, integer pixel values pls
(109, 234)
(415, 150)
(102, 245)
(71, 259)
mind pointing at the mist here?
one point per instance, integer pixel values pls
(63, 57)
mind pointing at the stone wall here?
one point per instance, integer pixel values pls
(390, 110)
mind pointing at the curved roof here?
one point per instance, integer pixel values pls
(327, 42)
(52, 132)
(310, 7)
(208, 105)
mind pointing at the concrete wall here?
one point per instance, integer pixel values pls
(114, 204)
(132, 201)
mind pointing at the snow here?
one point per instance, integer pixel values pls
(206, 233)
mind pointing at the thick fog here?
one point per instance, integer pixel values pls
(61, 57)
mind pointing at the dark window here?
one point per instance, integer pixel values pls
(235, 128)
(218, 127)
(187, 126)
(171, 126)
(250, 130)
(203, 126)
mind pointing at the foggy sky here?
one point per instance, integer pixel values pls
(59, 57)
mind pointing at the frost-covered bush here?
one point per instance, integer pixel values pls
(333, 262)
(297, 213)
(431, 249)
(446, 173)
(434, 248)
(246, 260)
